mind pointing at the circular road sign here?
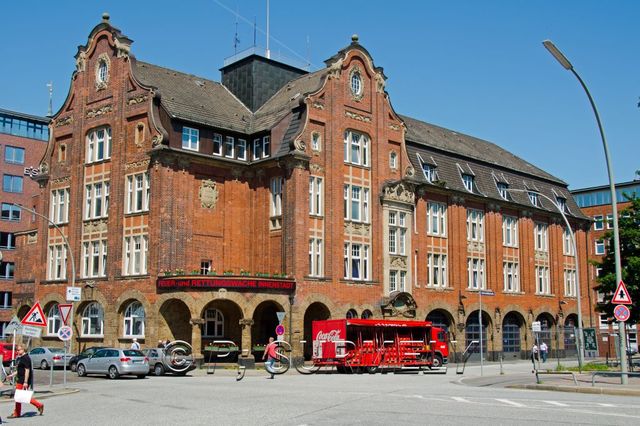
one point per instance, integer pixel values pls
(621, 312)
(280, 330)
(65, 333)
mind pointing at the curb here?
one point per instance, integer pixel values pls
(47, 395)
(573, 389)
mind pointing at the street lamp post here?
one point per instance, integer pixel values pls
(575, 255)
(614, 201)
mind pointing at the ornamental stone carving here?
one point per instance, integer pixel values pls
(142, 164)
(398, 262)
(134, 100)
(156, 140)
(316, 168)
(380, 83)
(81, 61)
(208, 194)
(356, 228)
(94, 226)
(357, 117)
(318, 105)
(44, 169)
(410, 171)
(456, 199)
(97, 112)
(299, 145)
(475, 246)
(400, 192)
(63, 121)
(61, 181)
(32, 237)
(245, 322)
(542, 256)
(122, 48)
(336, 69)
(394, 127)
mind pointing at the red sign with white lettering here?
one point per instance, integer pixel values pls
(209, 283)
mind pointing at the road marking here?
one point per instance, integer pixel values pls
(460, 399)
(602, 404)
(507, 401)
(556, 403)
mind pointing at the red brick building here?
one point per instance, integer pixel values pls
(23, 139)
(196, 210)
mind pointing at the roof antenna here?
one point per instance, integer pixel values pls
(308, 54)
(50, 86)
(236, 39)
(268, 52)
(254, 31)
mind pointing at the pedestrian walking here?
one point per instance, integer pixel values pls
(534, 357)
(544, 349)
(24, 381)
(271, 356)
(135, 345)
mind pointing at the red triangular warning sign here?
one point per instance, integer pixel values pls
(65, 309)
(35, 316)
(621, 296)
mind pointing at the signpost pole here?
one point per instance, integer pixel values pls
(480, 322)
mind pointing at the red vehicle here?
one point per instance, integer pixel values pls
(371, 344)
(5, 352)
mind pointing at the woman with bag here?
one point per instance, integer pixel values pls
(24, 381)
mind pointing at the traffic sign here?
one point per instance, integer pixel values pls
(536, 326)
(65, 309)
(487, 293)
(621, 313)
(30, 331)
(280, 330)
(65, 333)
(280, 316)
(74, 294)
(35, 316)
(14, 325)
(621, 296)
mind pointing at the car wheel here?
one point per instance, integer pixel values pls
(113, 372)
(158, 370)
(437, 361)
(44, 365)
(73, 367)
(81, 371)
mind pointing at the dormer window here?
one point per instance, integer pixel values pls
(562, 204)
(468, 181)
(429, 169)
(534, 199)
(503, 190)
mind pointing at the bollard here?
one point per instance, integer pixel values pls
(501, 370)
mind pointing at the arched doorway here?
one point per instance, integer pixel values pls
(315, 312)
(511, 335)
(473, 333)
(546, 334)
(569, 333)
(441, 318)
(175, 322)
(265, 321)
(221, 322)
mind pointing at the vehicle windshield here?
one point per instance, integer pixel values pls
(56, 350)
(130, 352)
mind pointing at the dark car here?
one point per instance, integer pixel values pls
(73, 362)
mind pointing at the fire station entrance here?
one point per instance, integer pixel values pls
(315, 311)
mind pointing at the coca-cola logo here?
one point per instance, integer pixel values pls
(331, 336)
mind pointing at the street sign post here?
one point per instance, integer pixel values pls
(74, 294)
(65, 310)
(536, 326)
(280, 316)
(30, 331)
(14, 325)
(621, 313)
(621, 296)
(65, 333)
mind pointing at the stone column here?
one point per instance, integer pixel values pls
(196, 340)
(246, 358)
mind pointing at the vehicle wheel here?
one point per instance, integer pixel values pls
(437, 361)
(113, 372)
(373, 369)
(73, 367)
(44, 365)
(158, 370)
(81, 371)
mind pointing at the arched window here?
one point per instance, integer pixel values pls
(102, 73)
(92, 320)
(213, 323)
(351, 314)
(366, 314)
(134, 320)
(393, 160)
(54, 322)
(356, 83)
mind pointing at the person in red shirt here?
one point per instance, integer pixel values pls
(271, 356)
(24, 381)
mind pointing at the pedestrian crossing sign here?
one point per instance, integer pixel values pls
(35, 316)
(621, 296)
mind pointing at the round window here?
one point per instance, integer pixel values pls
(103, 70)
(356, 84)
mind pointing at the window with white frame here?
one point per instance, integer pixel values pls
(242, 149)
(397, 232)
(598, 222)
(54, 322)
(102, 73)
(609, 221)
(475, 225)
(561, 202)
(534, 198)
(570, 282)
(190, 138)
(397, 280)
(14, 155)
(137, 193)
(509, 231)
(229, 150)
(213, 323)
(316, 141)
(429, 172)
(7, 270)
(437, 270)
(5, 300)
(205, 266)
(94, 259)
(600, 250)
(316, 263)
(96, 203)
(393, 160)
(604, 321)
(475, 268)
(356, 148)
(542, 280)
(468, 181)
(276, 202)
(217, 144)
(266, 146)
(136, 253)
(510, 274)
(540, 236)
(92, 320)
(57, 262)
(59, 206)
(356, 203)
(98, 145)
(257, 149)
(315, 195)
(356, 262)
(11, 183)
(436, 219)
(11, 212)
(7, 240)
(134, 320)
(503, 190)
(567, 243)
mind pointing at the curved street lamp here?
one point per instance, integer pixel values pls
(555, 52)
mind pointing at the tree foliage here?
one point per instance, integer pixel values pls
(629, 229)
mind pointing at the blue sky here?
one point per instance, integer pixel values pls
(477, 67)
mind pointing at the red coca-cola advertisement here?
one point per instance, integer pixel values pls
(325, 336)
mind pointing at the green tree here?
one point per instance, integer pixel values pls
(629, 227)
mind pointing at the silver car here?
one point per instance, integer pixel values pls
(45, 357)
(174, 360)
(114, 363)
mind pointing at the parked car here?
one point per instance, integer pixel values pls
(73, 362)
(6, 351)
(45, 357)
(114, 362)
(176, 362)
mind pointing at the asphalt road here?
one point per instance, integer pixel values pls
(294, 399)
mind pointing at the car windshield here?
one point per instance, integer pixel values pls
(56, 350)
(129, 352)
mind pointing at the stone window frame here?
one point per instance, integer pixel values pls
(316, 141)
(129, 316)
(102, 81)
(356, 93)
(87, 318)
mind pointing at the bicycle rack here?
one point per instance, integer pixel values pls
(465, 357)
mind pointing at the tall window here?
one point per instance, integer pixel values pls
(609, 221)
(134, 320)
(356, 203)
(475, 268)
(316, 141)
(190, 138)
(7, 240)
(94, 256)
(59, 206)
(102, 73)
(315, 196)
(598, 223)
(213, 323)
(136, 251)
(534, 198)
(570, 282)
(92, 320)
(54, 322)
(242, 149)
(393, 280)
(11, 183)
(542, 280)
(356, 262)
(229, 150)
(217, 144)
(276, 202)
(98, 145)
(475, 225)
(5, 299)
(14, 155)
(138, 192)
(503, 190)
(7, 270)
(436, 219)
(57, 262)
(10, 212)
(316, 267)
(562, 204)
(266, 146)
(437, 270)
(567, 244)
(393, 160)
(510, 231)
(600, 250)
(468, 181)
(429, 172)
(96, 200)
(397, 232)
(257, 149)
(511, 280)
(540, 236)
(356, 148)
